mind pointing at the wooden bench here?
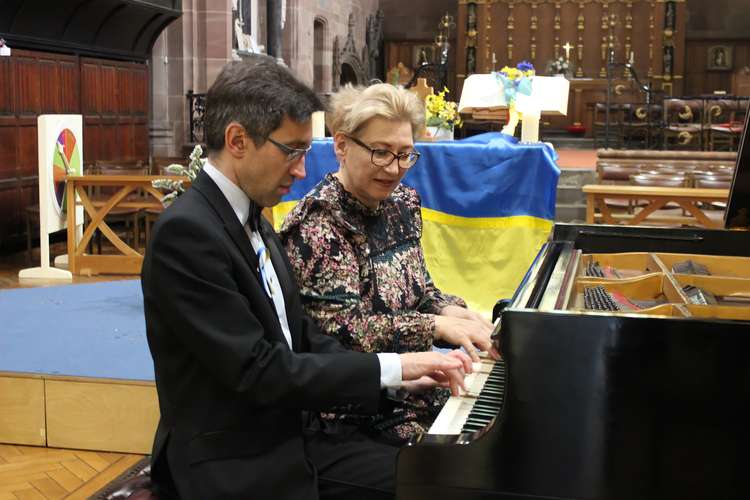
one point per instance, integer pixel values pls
(686, 161)
(689, 199)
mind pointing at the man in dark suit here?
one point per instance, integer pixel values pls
(235, 358)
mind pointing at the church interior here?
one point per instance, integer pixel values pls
(618, 202)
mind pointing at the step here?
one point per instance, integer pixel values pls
(570, 212)
(576, 177)
(570, 194)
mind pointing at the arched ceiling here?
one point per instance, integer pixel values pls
(120, 29)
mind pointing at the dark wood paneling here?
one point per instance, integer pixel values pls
(50, 96)
(699, 79)
(90, 95)
(8, 160)
(141, 140)
(28, 87)
(124, 86)
(70, 87)
(28, 155)
(108, 81)
(6, 95)
(91, 141)
(112, 96)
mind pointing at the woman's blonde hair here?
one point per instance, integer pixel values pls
(352, 107)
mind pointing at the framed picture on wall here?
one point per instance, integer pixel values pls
(720, 57)
(422, 54)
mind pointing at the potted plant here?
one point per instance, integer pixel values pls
(441, 116)
(174, 187)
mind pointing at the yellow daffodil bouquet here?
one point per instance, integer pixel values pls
(441, 113)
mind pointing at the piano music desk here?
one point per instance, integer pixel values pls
(689, 199)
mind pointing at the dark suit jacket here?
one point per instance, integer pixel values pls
(230, 389)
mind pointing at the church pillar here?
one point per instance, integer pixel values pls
(274, 28)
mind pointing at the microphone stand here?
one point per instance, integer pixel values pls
(643, 87)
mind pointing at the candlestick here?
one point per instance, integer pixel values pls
(318, 125)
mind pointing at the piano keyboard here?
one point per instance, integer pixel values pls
(474, 409)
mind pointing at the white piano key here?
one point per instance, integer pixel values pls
(454, 414)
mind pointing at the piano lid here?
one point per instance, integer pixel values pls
(737, 215)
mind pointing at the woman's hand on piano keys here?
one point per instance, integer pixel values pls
(447, 370)
(465, 313)
(462, 327)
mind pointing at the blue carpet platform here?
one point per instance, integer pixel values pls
(75, 369)
(90, 330)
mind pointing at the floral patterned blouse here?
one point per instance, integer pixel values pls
(363, 279)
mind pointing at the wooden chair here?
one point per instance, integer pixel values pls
(159, 163)
(616, 118)
(640, 128)
(31, 214)
(726, 119)
(683, 124)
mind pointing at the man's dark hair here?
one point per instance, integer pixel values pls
(257, 93)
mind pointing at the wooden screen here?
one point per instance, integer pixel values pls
(112, 96)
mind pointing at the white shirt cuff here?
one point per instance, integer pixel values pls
(390, 369)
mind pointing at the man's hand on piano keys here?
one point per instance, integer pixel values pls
(469, 331)
(447, 370)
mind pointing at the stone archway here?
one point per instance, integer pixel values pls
(348, 75)
(349, 57)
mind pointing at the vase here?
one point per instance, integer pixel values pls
(440, 133)
(513, 118)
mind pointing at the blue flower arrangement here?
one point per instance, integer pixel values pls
(515, 80)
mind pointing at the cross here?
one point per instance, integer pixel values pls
(568, 47)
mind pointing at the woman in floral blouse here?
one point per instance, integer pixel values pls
(354, 242)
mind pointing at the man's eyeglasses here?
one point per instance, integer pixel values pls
(292, 154)
(383, 157)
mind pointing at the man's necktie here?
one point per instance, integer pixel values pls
(265, 276)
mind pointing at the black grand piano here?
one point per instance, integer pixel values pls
(626, 373)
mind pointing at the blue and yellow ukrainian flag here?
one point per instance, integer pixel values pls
(487, 205)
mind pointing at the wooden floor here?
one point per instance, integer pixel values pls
(584, 159)
(11, 264)
(29, 472)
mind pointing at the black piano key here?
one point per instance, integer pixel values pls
(482, 413)
(472, 428)
(489, 401)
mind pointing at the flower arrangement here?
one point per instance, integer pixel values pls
(441, 113)
(174, 187)
(558, 66)
(514, 81)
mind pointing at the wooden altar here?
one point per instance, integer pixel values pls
(649, 33)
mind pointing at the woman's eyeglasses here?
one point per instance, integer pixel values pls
(383, 157)
(292, 154)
